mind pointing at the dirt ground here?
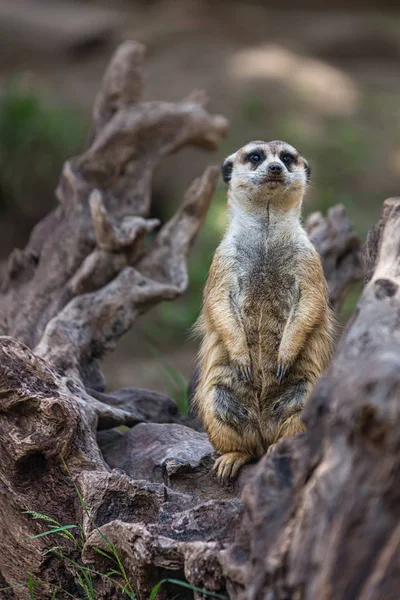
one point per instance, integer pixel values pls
(326, 79)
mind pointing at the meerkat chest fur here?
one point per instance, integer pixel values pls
(261, 254)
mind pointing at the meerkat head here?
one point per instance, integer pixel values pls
(266, 173)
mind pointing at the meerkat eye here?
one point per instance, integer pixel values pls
(255, 158)
(287, 158)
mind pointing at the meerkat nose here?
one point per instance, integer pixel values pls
(275, 168)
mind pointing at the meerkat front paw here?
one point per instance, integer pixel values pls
(227, 466)
(244, 371)
(282, 371)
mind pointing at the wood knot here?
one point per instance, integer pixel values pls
(384, 288)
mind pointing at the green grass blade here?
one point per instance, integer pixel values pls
(56, 588)
(55, 550)
(30, 587)
(156, 589)
(89, 580)
(110, 546)
(90, 570)
(93, 572)
(103, 553)
(122, 569)
(83, 585)
(51, 531)
(85, 508)
(12, 587)
(82, 536)
(112, 572)
(37, 516)
(68, 536)
(178, 384)
(186, 585)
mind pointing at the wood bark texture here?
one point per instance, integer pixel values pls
(316, 519)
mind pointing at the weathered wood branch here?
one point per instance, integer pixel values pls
(128, 140)
(42, 425)
(340, 250)
(91, 324)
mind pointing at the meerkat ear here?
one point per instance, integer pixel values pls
(226, 169)
(308, 169)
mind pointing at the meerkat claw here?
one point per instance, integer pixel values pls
(281, 372)
(245, 373)
(228, 465)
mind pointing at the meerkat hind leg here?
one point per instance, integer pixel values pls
(228, 433)
(289, 427)
(227, 466)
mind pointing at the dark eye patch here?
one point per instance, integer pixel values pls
(287, 158)
(256, 157)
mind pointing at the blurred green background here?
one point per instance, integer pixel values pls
(326, 81)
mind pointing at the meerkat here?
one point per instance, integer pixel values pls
(265, 324)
